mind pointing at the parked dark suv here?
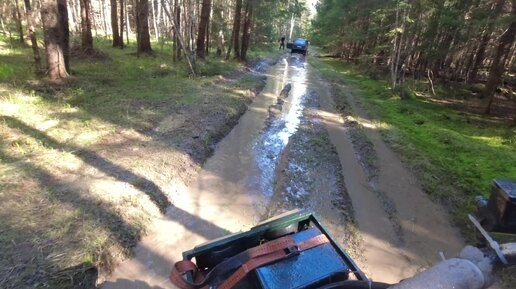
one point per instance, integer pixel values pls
(300, 45)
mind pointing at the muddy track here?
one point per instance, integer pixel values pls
(293, 149)
(403, 231)
(309, 176)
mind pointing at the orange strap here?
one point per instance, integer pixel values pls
(270, 258)
(266, 253)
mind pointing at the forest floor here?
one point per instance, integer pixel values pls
(87, 163)
(91, 164)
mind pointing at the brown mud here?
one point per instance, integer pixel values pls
(292, 149)
(402, 229)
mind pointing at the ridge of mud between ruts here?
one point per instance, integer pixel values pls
(309, 174)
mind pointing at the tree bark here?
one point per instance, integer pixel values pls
(179, 37)
(2, 14)
(62, 8)
(54, 35)
(127, 24)
(246, 33)
(32, 36)
(235, 34)
(154, 21)
(497, 66)
(103, 14)
(208, 27)
(122, 7)
(73, 16)
(203, 27)
(176, 49)
(142, 27)
(486, 35)
(17, 16)
(86, 37)
(114, 24)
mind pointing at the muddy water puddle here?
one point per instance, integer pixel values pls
(233, 191)
(283, 121)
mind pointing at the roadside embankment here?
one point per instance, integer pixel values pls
(87, 163)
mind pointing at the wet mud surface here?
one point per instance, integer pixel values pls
(309, 175)
(293, 149)
(403, 231)
(367, 157)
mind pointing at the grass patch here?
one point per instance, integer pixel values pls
(456, 154)
(87, 163)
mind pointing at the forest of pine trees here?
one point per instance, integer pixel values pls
(193, 26)
(465, 41)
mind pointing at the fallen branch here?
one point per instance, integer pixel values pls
(431, 82)
(179, 37)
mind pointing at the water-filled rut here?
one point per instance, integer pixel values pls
(233, 190)
(291, 149)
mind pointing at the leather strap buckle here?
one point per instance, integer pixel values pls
(292, 251)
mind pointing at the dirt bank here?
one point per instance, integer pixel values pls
(93, 181)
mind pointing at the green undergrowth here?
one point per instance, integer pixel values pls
(85, 163)
(455, 154)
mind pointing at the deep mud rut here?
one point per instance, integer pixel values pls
(292, 150)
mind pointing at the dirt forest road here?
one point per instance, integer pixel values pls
(293, 150)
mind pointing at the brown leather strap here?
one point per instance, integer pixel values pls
(266, 253)
(179, 269)
(182, 267)
(270, 258)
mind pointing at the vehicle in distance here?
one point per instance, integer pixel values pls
(300, 45)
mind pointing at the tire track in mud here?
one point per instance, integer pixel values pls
(308, 175)
(368, 159)
(402, 229)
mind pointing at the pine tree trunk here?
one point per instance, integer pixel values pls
(154, 21)
(32, 36)
(73, 16)
(86, 38)
(235, 34)
(142, 27)
(2, 24)
(191, 64)
(122, 7)
(62, 8)
(246, 33)
(103, 15)
(497, 66)
(54, 35)
(114, 24)
(203, 27)
(497, 8)
(208, 32)
(17, 16)
(174, 38)
(127, 24)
